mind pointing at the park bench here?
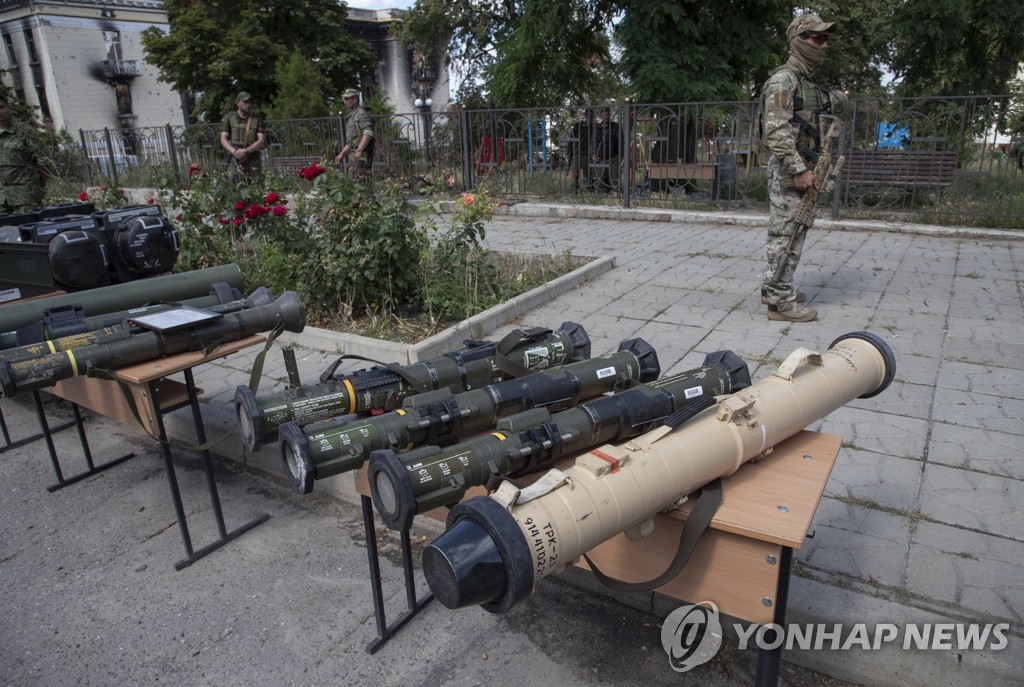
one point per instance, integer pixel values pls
(908, 169)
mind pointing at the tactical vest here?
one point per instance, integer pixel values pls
(809, 101)
(243, 131)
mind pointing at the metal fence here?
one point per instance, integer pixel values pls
(932, 158)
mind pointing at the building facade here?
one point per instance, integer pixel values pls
(81, 62)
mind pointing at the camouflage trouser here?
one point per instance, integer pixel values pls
(781, 225)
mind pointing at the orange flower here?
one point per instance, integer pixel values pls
(468, 198)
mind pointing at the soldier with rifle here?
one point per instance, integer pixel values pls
(794, 112)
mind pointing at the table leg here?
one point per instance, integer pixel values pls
(385, 631)
(191, 556)
(47, 434)
(768, 659)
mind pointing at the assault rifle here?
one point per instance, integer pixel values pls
(825, 171)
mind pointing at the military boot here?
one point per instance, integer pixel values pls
(800, 296)
(792, 313)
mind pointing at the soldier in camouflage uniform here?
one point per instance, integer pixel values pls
(243, 135)
(358, 136)
(791, 105)
(22, 175)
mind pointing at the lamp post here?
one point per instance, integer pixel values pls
(424, 107)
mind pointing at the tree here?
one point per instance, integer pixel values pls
(220, 47)
(956, 47)
(518, 53)
(300, 92)
(692, 50)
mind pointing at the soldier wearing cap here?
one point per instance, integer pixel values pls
(791, 106)
(358, 135)
(22, 175)
(243, 134)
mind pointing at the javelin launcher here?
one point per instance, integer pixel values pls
(496, 548)
(28, 375)
(330, 448)
(383, 387)
(411, 483)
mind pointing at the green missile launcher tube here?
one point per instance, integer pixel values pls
(415, 482)
(37, 373)
(383, 388)
(106, 299)
(326, 449)
(117, 332)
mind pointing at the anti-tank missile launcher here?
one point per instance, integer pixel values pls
(404, 485)
(383, 388)
(325, 449)
(27, 375)
(492, 552)
(124, 329)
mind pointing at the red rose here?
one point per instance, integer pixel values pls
(83, 196)
(271, 198)
(151, 200)
(223, 220)
(280, 211)
(239, 206)
(237, 221)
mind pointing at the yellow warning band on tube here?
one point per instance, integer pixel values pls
(351, 395)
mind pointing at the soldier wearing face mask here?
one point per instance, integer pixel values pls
(791, 130)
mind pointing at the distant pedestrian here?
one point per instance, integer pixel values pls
(22, 174)
(792, 105)
(243, 134)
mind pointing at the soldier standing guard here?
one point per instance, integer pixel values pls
(358, 136)
(243, 134)
(791, 107)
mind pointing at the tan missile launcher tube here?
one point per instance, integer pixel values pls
(497, 547)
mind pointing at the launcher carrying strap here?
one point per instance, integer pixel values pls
(689, 537)
(509, 344)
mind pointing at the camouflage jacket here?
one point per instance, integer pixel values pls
(357, 123)
(21, 177)
(790, 105)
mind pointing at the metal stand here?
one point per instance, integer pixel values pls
(768, 659)
(47, 434)
(192, 555)
(9, 444)
(385, 631)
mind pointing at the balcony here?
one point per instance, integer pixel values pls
(121, 69)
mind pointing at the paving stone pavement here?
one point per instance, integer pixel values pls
(921, 519)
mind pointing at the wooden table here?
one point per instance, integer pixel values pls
(140, 396)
